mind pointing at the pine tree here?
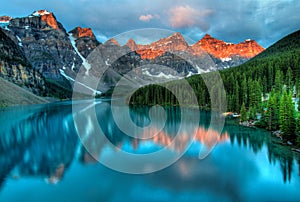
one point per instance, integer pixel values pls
(288, 80)
(283, 114)
(258, 93)
(264, 86)
(286, 116)
(252, 113)
(272, 114)
(292, 119)
(236, 97)
(244, 90)
(252, 94)
(243, 113)
(270, 77)
(278, 81)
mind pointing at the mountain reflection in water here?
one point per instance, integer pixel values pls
(42, 142)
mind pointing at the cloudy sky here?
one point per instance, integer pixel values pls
(266, 21)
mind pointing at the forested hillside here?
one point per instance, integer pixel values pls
(264, 85)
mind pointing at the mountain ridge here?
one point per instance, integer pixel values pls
(176, 42)
(58, 55)
(222, 50)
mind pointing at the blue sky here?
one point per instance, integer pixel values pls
(266, 21)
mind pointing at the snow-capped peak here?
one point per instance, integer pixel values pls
(40, 13)
(5, 19)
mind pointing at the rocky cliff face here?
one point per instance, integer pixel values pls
(227, 54)
(161, 61)
(220, 49)
(172, 43)
(85, 40)
(45, 43)
(15, 68)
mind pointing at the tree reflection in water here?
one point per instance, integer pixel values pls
(257, 139)
(43, 142)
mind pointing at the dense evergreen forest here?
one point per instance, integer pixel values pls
(265, 85)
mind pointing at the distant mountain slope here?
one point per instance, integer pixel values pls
(11, 94)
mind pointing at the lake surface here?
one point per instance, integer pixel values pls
(51, 153)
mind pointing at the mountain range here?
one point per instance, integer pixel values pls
(38, 54)
(276, 68)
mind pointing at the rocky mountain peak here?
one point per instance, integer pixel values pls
(207, 36)
(79, 32)
(85, 40)
(50, 20)
(249, 48)
(5, 19)
(46, 16)
(131, 44)
(112, 41)
(208, 39)
(176, 36)
(40, 13)
(248, 40)
(175, 42)
(223, 50)
(45, 44)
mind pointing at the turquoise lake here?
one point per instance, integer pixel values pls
(44, 158)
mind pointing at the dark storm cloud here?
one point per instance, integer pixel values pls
(233, 20)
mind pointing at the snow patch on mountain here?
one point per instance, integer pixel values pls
(6, 28)
(106, 62)
(73, 66)
(201, 71)
(226, 59)
(40, 13)
(160, 75)
(86, 65)
(20, 41)
(62, 72)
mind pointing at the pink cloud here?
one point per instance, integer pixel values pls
(146, 18)
(186, 16)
